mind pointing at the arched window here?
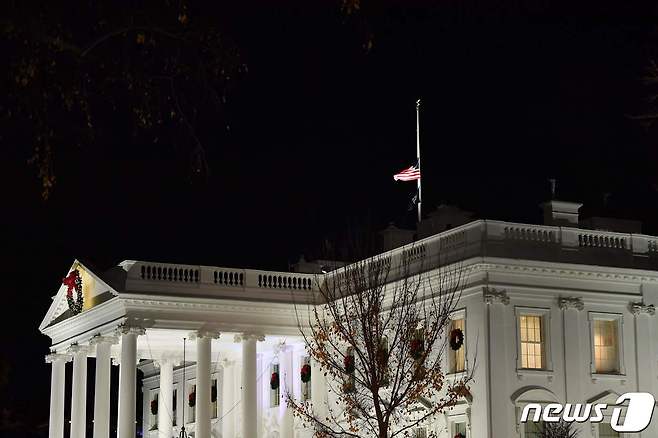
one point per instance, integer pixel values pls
(533, 396)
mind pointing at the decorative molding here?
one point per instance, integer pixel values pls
(565, 271)
(77, 349)
(176, 359)
(98, 339)
(205, 333)
(641, 308)
(494, 296)
(54, 357)
(127, 329)
(570, 303)
(248, 336)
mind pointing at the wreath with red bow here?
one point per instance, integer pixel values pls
(348, 362)
(274, 381)
(456, 339)
(154, 406)
(191, 399)
(305, 373)
(416, 348)
(73, 281)
(460, 435)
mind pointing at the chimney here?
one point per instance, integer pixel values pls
(561, 213)
(393, 237)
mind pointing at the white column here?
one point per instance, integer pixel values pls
(286, 374)
(573, 376)
(57, 383)
(79, 391)
(228, 399)
(166, 398)
(102, 385)
(318, 391)
(127, 380)
(645, 356)
(502, 414)
(249, 394)
(202, 417)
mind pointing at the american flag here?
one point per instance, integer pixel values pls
(410, 174)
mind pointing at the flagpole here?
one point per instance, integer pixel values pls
(418, 156)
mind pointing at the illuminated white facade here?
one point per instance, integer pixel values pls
(550, 314)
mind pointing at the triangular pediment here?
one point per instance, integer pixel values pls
(94, 291)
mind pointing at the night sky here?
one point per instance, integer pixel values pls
(513, 93)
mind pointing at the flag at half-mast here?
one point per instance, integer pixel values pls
(410, 174)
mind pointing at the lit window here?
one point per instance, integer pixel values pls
(458, 357)
(605, 431)
(606, 356)
(532, 341)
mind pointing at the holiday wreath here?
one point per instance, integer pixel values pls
(416, 348)
(191, 399)
(460, 435)
(274, 381)
(213, 394)
(154, 406)
(73, 281)
(348, 362)
(305, 373)
(456, 339)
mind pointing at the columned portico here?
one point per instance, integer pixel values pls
(249, 385)
(228, 414)
(166, 397)
(57, 385)
(203, 382)
(287, 372)
(79, 391)
(102, 388)
(127, 380)
(318, 390)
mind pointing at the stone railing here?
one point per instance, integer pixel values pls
(532, 242)
(164, 277)
(475, 239)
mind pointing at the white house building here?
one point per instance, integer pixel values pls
(560, 312)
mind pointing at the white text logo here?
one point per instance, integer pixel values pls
(637, 418)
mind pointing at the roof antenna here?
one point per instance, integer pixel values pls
(183, 433)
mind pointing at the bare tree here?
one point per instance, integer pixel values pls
(160, 70)
(379, 331)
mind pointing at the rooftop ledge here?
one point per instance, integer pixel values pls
(475, 239)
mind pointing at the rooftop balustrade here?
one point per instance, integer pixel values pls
(481, 238)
